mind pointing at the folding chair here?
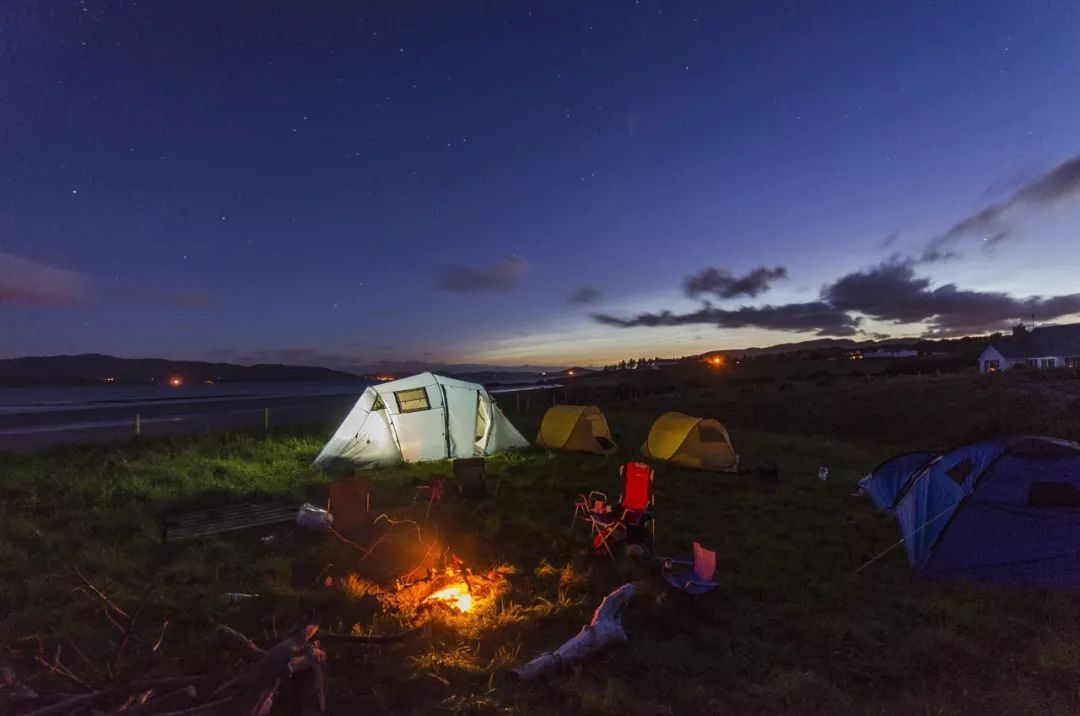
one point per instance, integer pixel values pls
(432, 492)
(700, 577)
(350, 503)
(469, 476)
(633, 512)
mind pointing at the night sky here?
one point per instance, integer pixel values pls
(351, 184)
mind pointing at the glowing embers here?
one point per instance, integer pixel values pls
(456, 596)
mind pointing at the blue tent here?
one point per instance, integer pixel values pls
(1005, 510)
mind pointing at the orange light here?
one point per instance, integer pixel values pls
(456, 595)
(569, 372)
(176, 381)
(717, 361)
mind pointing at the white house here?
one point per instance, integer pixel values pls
(1042, 347)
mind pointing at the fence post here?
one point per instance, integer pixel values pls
(266, 419)
(138, 424)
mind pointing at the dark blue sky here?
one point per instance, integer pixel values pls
(348, 183)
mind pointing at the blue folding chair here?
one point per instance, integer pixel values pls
(699, 579)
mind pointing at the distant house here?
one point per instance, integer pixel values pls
(1042, 347)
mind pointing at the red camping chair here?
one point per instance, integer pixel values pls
(633, 512)
(431, 493)
(350, 503)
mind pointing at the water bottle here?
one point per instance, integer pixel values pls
(823, 473)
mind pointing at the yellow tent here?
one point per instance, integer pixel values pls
(575, 427)
(700, 443)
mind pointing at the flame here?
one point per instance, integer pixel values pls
(456, 595)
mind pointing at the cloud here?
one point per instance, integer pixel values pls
(502, 275)
(29, 283)
(816, 316)
(1060, 183)
(584, 296)
(722, 284)
(890, 291)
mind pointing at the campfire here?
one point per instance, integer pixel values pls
(456, 595)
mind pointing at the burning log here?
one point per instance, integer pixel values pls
(604, 630)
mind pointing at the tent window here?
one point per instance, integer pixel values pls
(411, 401)
(1053, 494)
(378, 404)
(711, 435)
(960, 471)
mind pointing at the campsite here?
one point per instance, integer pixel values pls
(795, 624)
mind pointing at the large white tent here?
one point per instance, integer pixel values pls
(422, 417)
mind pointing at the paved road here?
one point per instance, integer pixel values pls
(31, 431)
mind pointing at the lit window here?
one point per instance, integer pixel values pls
(991, 366)
(410, 401)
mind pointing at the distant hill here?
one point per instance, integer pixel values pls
(96, 369)
(971, 345)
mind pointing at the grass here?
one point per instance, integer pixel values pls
(791, 629)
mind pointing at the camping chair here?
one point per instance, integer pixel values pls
(469, 476)
(350, 503)
(699, 579)
(432, 492)
(633, 512)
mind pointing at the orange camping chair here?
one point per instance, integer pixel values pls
(632, 514)
(350, 503)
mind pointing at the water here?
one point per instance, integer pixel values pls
(36, 417)
(15, 401)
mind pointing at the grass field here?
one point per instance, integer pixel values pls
(791, 629)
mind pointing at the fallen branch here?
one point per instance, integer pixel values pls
(161, 635)
(238, 642)
(109, 605)
(107, 697)
(221, 706)
(604, 630)
(113, 667)
(166, 702)
(315, 691)
(274, 664)
(367, 551)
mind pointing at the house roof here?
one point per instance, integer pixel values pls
(1042, 341)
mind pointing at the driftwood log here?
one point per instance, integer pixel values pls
(604, 630)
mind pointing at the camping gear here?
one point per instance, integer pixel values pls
(422, 417)
(628, 519)
(469, 476)
(699, 579)
(699, 443)
(350, 503)
(202, 523)
(1004, 510)
(313, 518)
(593, 502)
(580, 428)
(431, 493)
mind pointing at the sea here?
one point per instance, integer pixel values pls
(38, 417)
